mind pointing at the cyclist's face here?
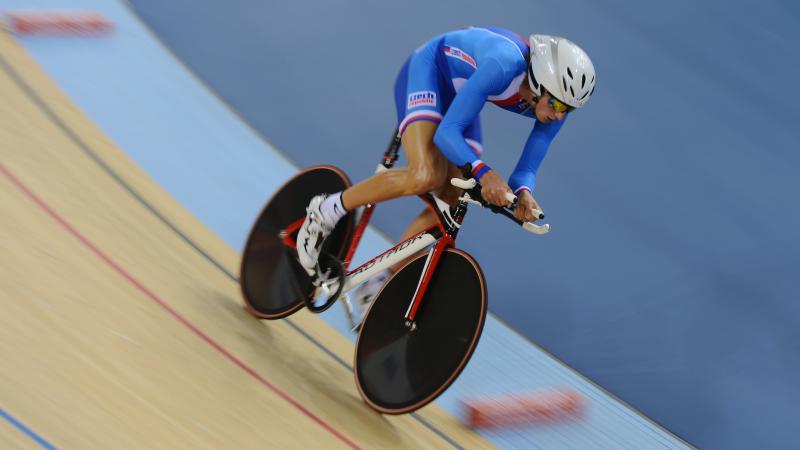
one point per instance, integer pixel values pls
(544, 111)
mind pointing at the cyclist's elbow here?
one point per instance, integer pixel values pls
(440, 138)
(445, 141)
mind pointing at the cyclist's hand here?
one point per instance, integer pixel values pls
(525, 206)
(494, 189)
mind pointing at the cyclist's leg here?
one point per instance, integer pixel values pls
(420, 104)
(426, 171)
(446, 191)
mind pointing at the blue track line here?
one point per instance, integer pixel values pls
(20, 426)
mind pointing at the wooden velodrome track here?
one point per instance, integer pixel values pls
(122, 323)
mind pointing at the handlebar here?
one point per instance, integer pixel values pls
(472, 194)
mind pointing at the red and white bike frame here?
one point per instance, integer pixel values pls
(442, 234)
(438, 238)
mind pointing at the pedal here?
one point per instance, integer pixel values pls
(329, 283)
(320, 278)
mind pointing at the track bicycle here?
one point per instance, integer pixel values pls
(422, 326)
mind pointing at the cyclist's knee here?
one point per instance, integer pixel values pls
(421, 180)
(426, 171)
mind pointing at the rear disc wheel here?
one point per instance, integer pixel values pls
(268, 270)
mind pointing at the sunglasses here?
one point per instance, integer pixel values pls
(558, 106)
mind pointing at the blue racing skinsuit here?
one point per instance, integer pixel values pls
(478, 64)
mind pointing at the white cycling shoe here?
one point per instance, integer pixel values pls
(312, 234)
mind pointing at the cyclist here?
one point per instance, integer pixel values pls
(439, 94)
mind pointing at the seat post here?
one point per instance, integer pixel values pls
(391, 154)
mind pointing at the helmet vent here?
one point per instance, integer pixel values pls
(564, 80)
(584, 95)
(583, 81)
(569, 72)
(591, 93)
(592, 79)
(572, 91)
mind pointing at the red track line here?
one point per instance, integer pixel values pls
(136, 283)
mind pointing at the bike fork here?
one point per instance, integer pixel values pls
(431, 262)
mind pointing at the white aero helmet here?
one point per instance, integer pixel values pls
(563, 68)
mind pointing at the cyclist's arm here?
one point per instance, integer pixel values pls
(524, 175)
(489, 79)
